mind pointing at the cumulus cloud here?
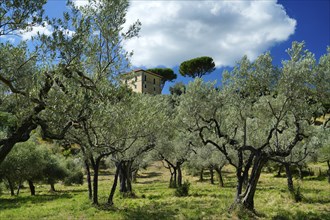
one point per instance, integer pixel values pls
(174, 31)
(45, 29)
(80, 3)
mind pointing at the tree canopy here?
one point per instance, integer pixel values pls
(167, 73)
(261, 113)
(197, 67)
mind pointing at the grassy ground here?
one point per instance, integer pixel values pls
(156, 201)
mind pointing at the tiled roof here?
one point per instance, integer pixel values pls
(152, 73)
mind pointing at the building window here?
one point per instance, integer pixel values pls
(145, 86)
(145, 77)
(154, 81)
(154, 88)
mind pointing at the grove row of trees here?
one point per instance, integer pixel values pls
(69, 87)
(34, 162)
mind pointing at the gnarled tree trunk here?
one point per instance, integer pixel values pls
(173, 177)
(289, 177)
(96, 167)
(178, 166)
(296, 195)
(219, 172)
(89, 180)
(300, 170)
(32, 188)
(201, 175)
(114, 185)
(246, 199)
(125, 175)
(52, 187)
(11, 187)
(328, 162)
(211, 175)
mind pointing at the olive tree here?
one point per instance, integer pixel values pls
(141, 123)
(42, 87)
(20, 15)
(261, 113)
(34, 162)
(24, 163)
(122, 129)
(208, 158)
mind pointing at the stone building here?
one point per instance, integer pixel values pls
(143, 81)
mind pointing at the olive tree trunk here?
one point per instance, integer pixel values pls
(125, 177)
(52, 187)
(212, 175)
(96, 167)
(201, 175)
(11, 187)
(89, 180)
(219, 172)
(328, 162)
(114, 185)
(178, 166)
(246, 198)
(32, 188)
(289, 177)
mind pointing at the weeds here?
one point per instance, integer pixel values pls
(183, 190)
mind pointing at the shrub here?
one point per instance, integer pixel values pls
(297, 195)
(74, 178)
(183, 190)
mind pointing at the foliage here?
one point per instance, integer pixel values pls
(197, 67)
(232, 119)
(20, 15)
(167, 74)
(35, 162)
(178, 89)
(26, 161)
(74, 178)
(72, 66)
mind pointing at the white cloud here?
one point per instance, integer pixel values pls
(174, 31)
(45, 29)
(80, 3)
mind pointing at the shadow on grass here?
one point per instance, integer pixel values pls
(153, 211)
(105, 173)
(317, 200)
(315, 178)
(149, 175)
(285, 215)
(149, 213)
(148, 181)
(74, 191)
(16, 202)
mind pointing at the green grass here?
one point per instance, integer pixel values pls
(156, 201)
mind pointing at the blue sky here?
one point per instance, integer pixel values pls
(313, 27)
(174, 31)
